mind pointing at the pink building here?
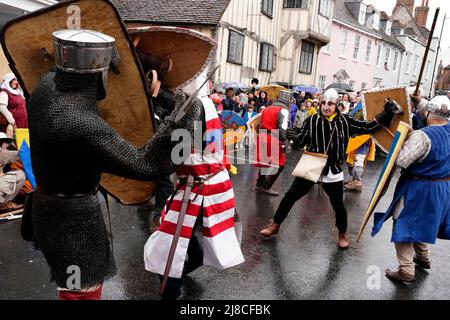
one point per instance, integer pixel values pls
(353, 51)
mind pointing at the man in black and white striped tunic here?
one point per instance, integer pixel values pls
(316, 135)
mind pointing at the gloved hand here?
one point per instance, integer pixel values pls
(391, 108)
(415, 99)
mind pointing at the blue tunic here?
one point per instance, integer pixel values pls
(426, 212)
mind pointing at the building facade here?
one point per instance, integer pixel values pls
(393, 47)
(351, 55)
(272, 40)
(412, 33)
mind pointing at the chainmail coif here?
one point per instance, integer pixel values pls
(71, 147)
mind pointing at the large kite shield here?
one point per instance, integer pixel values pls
(373, 103)
(386, 173)
(180, 54)
(28, 46)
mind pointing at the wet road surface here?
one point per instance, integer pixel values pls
(302, 262)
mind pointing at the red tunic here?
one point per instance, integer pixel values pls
(17, 106)
(264, 155)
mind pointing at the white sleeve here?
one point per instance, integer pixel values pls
(8, 115)
(285, 123)
(3, 98)
(415, 149)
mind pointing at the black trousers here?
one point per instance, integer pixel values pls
(164, 189)
(265, 181)
(300, 187)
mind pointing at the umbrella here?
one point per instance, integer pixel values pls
(340, 85)
(306, 89)
(235, 85)
(273, 91)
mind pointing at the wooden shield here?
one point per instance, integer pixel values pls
(27, 43)
(386, 173)
(373, 104)
(189, 50)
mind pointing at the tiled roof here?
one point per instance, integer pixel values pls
(173, 12)
(343, 14)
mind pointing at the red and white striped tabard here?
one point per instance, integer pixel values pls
(219, 241)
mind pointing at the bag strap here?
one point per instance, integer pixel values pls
(331, 139)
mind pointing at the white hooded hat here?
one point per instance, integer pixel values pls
(330, 95)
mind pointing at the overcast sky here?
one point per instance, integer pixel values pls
(388, 6)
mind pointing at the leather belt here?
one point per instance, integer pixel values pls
(426, 179)
(64, 195)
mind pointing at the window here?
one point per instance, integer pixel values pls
(388, 27)
(363, 86)
(416, 65)
(380, 48)
(368, 50)
(352, 84)
(408, 62)
(327, 47)
(376, 21)
(267, 8)
(386, 58)
(356, 49)
(324, 7)
(362, 14)
(306, 57)
(344, 43)
(322, 81)
(396, 55)
(427, 70)
(267, 61)
(235, 47)
(301, 4)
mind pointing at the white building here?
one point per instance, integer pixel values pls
(272, 40)
(389, 52)
(413, 35)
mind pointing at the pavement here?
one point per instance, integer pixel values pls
(302, 262)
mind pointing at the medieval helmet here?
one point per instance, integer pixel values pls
(285, 97)
(438, 106)
(331, 95)
(83, 52)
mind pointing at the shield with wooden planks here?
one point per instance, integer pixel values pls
(178, 55)
(386, 173)
(373, 104)
(28, 46)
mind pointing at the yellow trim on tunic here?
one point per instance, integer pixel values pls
(356, 142)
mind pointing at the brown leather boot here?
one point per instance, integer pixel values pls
(399, 276)
(271, 230)
(343, 241)
(355, 185)
(424, 264)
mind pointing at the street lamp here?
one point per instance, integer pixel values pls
(433, 81)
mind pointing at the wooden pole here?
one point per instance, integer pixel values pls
(427, 50)
(11, 213)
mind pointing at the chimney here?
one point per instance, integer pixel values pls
(408, 3)
(421, 14)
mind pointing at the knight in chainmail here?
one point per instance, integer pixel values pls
(72, 147)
